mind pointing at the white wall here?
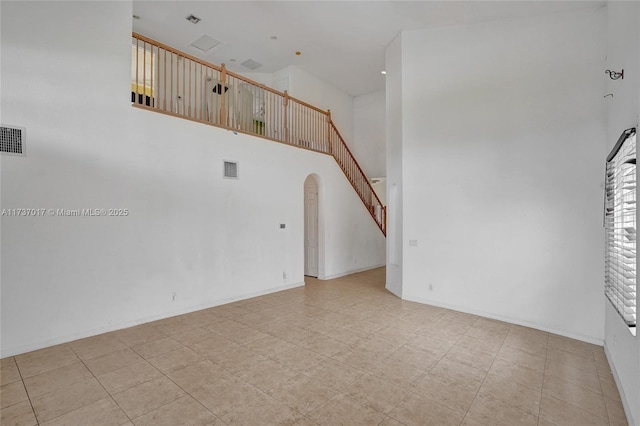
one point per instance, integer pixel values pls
(394, 154)
(324, 95)
(369, 133)
(623, 111)
(65, 77)
(502, 146)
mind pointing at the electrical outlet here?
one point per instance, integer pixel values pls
(430, 287)
(284, 275)
(413, 243)
(173, 296)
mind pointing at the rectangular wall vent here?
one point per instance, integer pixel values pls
(231, 169)
(12, 140)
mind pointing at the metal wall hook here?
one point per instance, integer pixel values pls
(614, 75)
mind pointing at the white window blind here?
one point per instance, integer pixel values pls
(620, 227)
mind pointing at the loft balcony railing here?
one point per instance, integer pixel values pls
(166, 80)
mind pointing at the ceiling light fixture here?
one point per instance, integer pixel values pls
(383, 72)
(298, 53)
(193, 19)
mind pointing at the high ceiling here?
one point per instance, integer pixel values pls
(341, 42)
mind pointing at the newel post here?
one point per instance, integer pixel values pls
(223, 84)
(286, 123)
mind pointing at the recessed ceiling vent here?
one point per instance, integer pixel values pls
(205, 43)
(231, 169)
(12, 140)
(251, 64)
(193, 19)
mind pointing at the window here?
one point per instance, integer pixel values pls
(620, 228)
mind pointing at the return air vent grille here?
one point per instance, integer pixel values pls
(12, 140)
(231, 170)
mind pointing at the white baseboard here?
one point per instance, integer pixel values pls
(353, 271)
(616, 378)
(589, 339)
(6, 352)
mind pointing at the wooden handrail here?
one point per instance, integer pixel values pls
(200, 91)
(356, 162)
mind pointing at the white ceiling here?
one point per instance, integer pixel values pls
(342, 42)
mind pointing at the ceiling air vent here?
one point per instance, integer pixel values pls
(205, 43)
(193, 19)
(231, 169)
(12, 140)
(251, 64)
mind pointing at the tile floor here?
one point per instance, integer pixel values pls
(339, 352)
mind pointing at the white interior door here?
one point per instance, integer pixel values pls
(311, 230)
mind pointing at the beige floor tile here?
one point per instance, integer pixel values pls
(225, 395)
(197, 375)
(558, 356)
(334, 374)
(470, 357)
(562, 413)
(376, 393)
(263, 410)
(573, 346)
(20, 414)
(8, 361)
(139, 334)
(323, 345)
(226, 327)
(43, 360)
(103, 412)
(299, 359)
(453, 395)
(534, 347)
(490, 411)
(156, 347)
(496, 337)
(344, 335)
(12, 394)
(468, 421)
(513, 393)
(147, 396)
(388, 421)
(459, 373)
(56, 379)
(342, 410)
(267, 374)
(127, 377)
(398, 373)
(521, 357)
(112, 361)
(609, 388)
(173, 326)
(92, 347)
(476, 344)
(62, 401)
(302, 393)
(414, 357)
(215, 345)
(182, 411)
(419, 411)
(573, 375)
(492, 325)
(437, 347)
(517, 373)
(9, 374)
(175, 359)
(269, 345)
(615, 411)
(589, 401)
(237, 360)
(193, 336)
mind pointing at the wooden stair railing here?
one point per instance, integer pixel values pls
(172, 82)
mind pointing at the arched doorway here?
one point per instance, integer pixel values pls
(311, 229)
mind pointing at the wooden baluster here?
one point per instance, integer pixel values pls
(331, 151)
(137, 90)
(223, 110)
(285, 116)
